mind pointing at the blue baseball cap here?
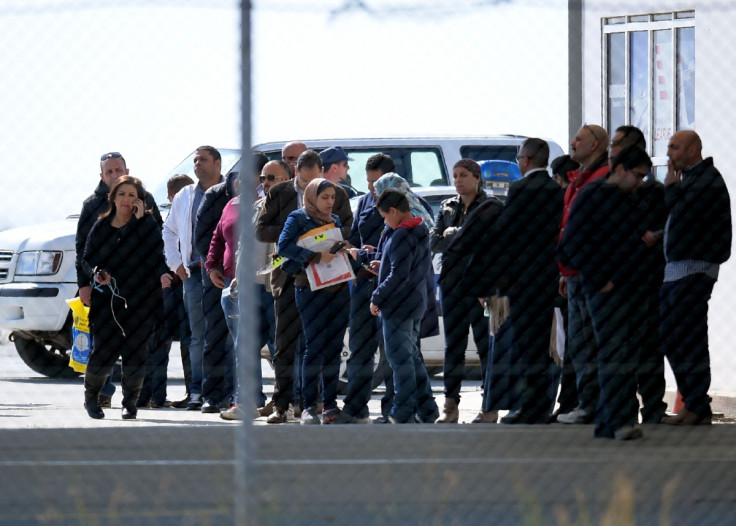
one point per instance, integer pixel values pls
(334, 154)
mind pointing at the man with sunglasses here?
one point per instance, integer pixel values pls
(589, 147)
(520, 262)
(603, 242)
(112, 166)
(282, 199)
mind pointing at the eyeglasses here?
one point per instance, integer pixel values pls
(587, 127)
(271, 177)
(111, 155)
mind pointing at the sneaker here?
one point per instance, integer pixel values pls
(576, 416)
(381, 420)
(277, 417)
(628, 433)
(195, 403)
(330, 415)
(234, 413)
(309, 418)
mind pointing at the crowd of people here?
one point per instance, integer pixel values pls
(575, 287)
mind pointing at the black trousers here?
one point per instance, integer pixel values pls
(617, 360)
(684, 330)
(110, 342)
(218, 358)
(288, 331)
(459, 313)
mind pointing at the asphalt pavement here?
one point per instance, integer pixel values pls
(57, 466)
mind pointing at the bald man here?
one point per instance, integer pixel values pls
(697, 240)
(291, 152)
(589, 147)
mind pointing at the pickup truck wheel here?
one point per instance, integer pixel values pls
(44, 358)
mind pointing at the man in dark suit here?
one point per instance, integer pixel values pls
(521, 262)
(282, 199)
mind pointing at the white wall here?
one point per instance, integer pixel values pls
(715, 110)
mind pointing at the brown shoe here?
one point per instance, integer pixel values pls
(687, 418)
(105, 401)
(450, 413)
(486, 417)
(266, 410)
(278, 416)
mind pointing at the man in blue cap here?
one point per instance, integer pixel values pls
(335, 168)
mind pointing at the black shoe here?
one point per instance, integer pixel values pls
(209, 407)
(194, 404)
(521, 417)
(431, 419)
(143, 404)
(381, 420)
(129, 414)
(94, 411)
(181, 404)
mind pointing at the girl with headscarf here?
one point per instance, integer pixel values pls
(394, 180)
(324, 312)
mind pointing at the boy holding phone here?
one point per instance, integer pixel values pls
(401, 299)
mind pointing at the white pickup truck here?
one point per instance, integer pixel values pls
(37, 270)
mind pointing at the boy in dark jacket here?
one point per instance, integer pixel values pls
(401, 299)
(603, 242)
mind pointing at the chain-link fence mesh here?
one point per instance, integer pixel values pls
(548, 321)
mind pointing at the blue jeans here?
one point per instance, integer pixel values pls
(195, 313)
(412, 390)
(231, 310)
(581, 345)
(324, 317)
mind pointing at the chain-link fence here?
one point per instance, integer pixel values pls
(513, 331)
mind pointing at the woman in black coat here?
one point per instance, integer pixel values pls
(124, 259)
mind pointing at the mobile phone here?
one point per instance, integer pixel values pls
(337, 246)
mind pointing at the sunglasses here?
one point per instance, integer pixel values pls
(271, 178)
(111, 155)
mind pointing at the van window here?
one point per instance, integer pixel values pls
(489, 152)
(420, 166)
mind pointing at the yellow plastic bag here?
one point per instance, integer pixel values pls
(80, 335)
